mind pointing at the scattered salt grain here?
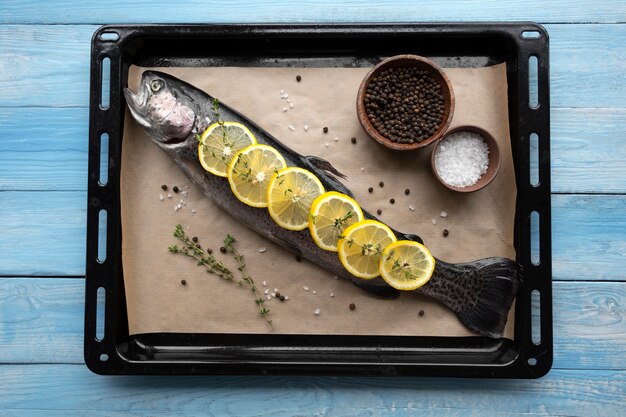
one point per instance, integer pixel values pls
(411, 207)
(314, 292)
(194, 211)
(362, 169)
(262, 250)
(443, 214)
(282, 92)
(317, 312)
(462, 158)
(336, 139)
(276, 290)
(185, 193)
(326, 144)
(291, 105)
(267, 291)
(169, 195)
(265, 283)
(161, 197)
(284, 109)
(306, 128)
(286, 297)
(434, 221)
(268, 297)
(291, 128)
(305, 288)
(332, 294)
(285, 95)
(273, 294)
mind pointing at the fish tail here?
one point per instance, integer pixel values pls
(480, 293)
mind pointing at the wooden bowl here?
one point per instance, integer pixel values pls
(407, 61)
(494, 159)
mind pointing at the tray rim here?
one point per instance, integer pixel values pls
(108, 273)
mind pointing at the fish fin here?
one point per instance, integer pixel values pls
(376, 286)
(484, 302)
(326, 172)
(324, 165)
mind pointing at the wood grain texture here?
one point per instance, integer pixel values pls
(224, 11)
(73, 390)
(43, 233)
(589, 235)
(49, 65)
(39, 313)
(46, 149)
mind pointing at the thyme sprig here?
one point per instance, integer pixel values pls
(213, 266)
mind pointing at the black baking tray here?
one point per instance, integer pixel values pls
(528, 355)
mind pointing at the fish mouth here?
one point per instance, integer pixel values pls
(137, 104)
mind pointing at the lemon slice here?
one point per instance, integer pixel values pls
(331, 214)
(361, 247)
(250, 171)
(219, 144)
(290, 195)
(406, 265)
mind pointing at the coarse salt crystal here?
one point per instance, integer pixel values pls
(291, 105)
(282, 92)
(317, 312)
(314, 292)
(332, 294)
(305, 288)
(161, 197)
(462, 158)
(273, 294)
(267, 291)
(443, 214)
(362, 169)
(276, 290)
(268, 297)
(306, 128)
(286, 297)
(284, 109)
(194, 211)
(434, 221)
(326, 144)
(411, 207)
(265, 283)
(262, 250)
(291, 128)
(169, 196)
(336, 139)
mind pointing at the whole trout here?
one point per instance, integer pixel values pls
(174, 112)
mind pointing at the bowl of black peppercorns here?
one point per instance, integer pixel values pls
(405, 102)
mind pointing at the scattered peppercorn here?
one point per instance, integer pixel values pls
(298, 78)
(352, 306)
(421, 313)
(277, 295)
(405, 104)
(407, 191)
(281, 298)
(381, 184)
(325, 130)
(223, 249)
(175, 189)
(183, 282)
(379, 211)
(392, 200)
(371, 189)
(209, 251)
(164, 187)
(195, 239)
(353, 140)
(298, 258)
(445, 232)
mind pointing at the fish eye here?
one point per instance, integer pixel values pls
(155, 85)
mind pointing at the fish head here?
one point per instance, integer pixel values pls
(163, 108)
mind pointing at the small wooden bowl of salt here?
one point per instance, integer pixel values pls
(466, 159)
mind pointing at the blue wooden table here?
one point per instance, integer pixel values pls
(44, 80)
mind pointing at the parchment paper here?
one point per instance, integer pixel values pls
(480, 224)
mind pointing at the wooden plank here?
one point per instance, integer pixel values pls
(41, 321)
(72, 390)
(589, 235)
(43, 233)
(49, 65)
(224, 11)
(588, 153)
(44, 148)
